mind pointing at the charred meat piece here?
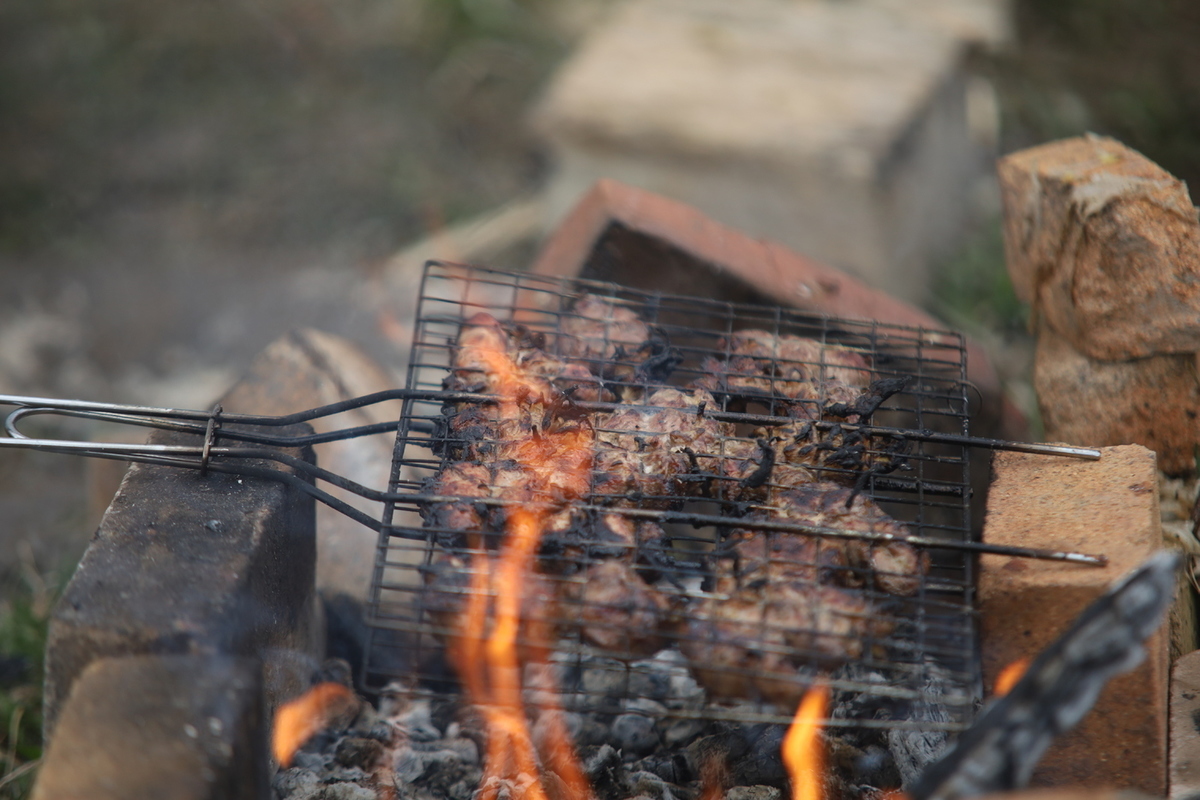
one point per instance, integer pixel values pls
(608, 535)
(450, 584)
(617, 610)
(895, 567)
(836, 453)
(766, 641)
(801, 356)
(752, 471)
(649, 449)
(795, 376)
(599, 330)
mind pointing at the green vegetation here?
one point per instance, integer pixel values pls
(24, 615)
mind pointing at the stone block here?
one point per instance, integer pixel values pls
(167, 727)
(838, 129)
(1106, 246)
(305, 369)
(1152, 401)
(183, 563)
(1108, 507)
(1185, 727)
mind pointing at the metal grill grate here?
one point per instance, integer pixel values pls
(707, 564)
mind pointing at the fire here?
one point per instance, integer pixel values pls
(1009, 676)
(803, 755)
(558, 463)
(297, 720)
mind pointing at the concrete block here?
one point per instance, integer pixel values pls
(307, 368)
(1107, 507)
(1185, 727)
(189, 563)
(164, 727)
(838, 129)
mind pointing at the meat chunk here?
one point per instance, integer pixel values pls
(752, 471)
(618, 610)
(767, 641)
(600, 330)
(647, 451)
(451, 583)
(794, 376)
(801, 357)
(894, 566)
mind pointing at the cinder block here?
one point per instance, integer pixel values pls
(307, 368)
(1107, 507)
(838, 129)
(1185, 727)
(186, 563)
(164, 727)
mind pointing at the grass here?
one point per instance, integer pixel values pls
(24, 617)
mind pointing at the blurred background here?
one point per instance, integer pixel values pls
(180, 184)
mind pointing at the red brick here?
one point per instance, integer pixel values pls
(1107, 507)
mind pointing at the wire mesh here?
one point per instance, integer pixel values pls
(738, 532)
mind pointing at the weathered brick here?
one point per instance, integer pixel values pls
(189, 563)
(1185, 727)
(164, 727)
(1107, 507)
(305, 369)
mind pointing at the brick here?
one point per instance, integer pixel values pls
(637, 238)
(1185, 727)
(189, 563)
(1107, 507)
(1154, 401)
(838, 129)
(166, 727)
(305, 369)
(1106, 246)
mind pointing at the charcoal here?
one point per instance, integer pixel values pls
(357, 752)
(604, 771)
(295, 782)
(343, 791)
(671, 767)
(754, 793)
(634, 734)
(649, 785)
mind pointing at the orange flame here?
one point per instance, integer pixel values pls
(297, 720)
(558, 463)
(1009, 676)
(803, 755)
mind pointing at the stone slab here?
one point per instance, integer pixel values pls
(839, 129)
(1106, 246)
(189, 563)
(1185, 727)
(1107, 507)
(163, 727)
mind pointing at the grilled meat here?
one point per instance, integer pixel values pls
(647, 452)
(795, 376)
(806, 357)
(766, 641)
(450, 584)
(894, 567)
(598, 330)
(617, 610)
(752, 471)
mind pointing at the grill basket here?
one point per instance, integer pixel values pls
(902, 659)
